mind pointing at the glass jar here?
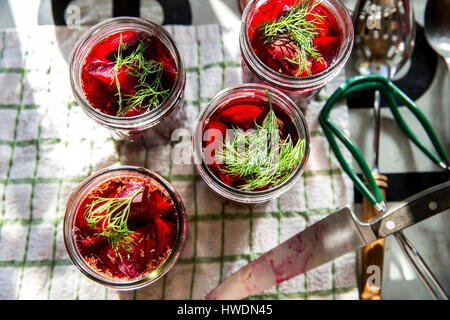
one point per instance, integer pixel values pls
(300, 89)
(74, 204)
(151, 127)
(233, 96)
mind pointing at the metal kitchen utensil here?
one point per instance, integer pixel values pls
(328, 239)
(384, 41)
(384, 36)
(394, 97)
(437, 27)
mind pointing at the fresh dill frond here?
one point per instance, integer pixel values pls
(113, 214)
(302, 30)
(148, 95)
(260, 157)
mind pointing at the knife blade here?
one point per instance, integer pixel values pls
(326, 240)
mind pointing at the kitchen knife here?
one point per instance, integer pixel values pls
(328, 239)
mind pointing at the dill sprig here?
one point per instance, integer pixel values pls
(113, 215)
(302, 31)
(148, 95)
(260, 157)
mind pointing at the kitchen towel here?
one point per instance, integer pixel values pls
(48, 145)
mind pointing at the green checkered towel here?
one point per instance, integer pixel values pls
(48, 145)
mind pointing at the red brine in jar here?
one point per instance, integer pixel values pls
(125, 227)
(128, 73)
(276, 45)
(246, 117)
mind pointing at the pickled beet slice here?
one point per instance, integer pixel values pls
(215, 135)
(215, 130)
(169, 76)
(105, 73)
(283, 49)
(109, 47)
(165, 235)
(319, 65)
(327, 46)
(88, 244)
(135, 262)
(232, 181)
(322, 24)
(241, 116)
(139, 204)
(138, 209)
(158, 205)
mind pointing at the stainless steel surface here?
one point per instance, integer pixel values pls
(437, 27)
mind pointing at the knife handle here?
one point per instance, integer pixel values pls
(413, 210)
(373, 253)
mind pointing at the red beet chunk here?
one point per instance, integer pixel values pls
(284, 50)
(232, 181)
(322, 24)
(139, 204)
(88, 244)
(215, 135)
(158, 205)
(169, 75)
(104, 72)
(109, 47)
(215, 130)
(165, 235)
(327, 46)
(135, 262)
(241, 116)
(319, 65)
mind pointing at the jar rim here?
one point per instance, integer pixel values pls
(291, 82)
(241, 195)
(79, 53)
(89, 184)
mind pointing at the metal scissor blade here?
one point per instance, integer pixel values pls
(333, 236)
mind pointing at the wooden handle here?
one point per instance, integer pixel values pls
(372, 255)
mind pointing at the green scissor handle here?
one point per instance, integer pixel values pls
(393, 96)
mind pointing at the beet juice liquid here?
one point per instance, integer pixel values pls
(280, 51)
(240, 114)
(128, 73)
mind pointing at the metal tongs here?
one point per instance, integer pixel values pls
(371, 190)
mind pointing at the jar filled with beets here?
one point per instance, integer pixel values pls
(129, 76)
(296, 46)
(124, 227)
(251, 143)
